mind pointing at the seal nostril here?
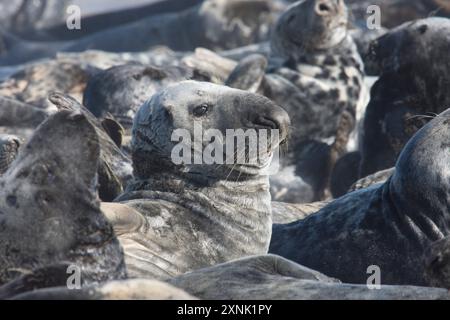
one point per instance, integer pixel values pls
(266, 122)
(323, 8)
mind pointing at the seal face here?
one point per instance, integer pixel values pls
(389, 226)
(412, 88)
(223, 211)
(40, 230)
(114, 167)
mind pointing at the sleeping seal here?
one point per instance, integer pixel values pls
(412, 88)
(49, 212)
(389, 226)
(175, 218)
(316, 74)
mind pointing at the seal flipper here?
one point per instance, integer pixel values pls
(437, 264)
(115, 168)
(248, 74)
(49, 211)
(47, 277)
(114, 130)
(9, 147)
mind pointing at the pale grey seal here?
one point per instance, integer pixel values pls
(389, 226)
(179, 217)
(271, 277)
(266, 277)
(49, 212)
(316, 74)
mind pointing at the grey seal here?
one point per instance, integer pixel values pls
(390, 225)
(49, 211)
(175, 218)
(121, 90)
(316, 74)
(271, 277)
(412, 89)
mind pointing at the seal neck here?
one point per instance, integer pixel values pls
(241, 207)
(423, 218)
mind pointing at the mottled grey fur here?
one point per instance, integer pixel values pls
(389, 225)
(38, 229)
(271, 277)
(9, 147)
(178, 218)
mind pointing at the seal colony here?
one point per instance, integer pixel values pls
(101, 172)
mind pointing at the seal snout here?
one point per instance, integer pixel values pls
(275, 119)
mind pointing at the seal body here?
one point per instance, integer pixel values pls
(388, 226)
(271, 277)
(121, 90)
(222, 211)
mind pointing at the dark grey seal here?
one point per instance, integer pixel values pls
(176, 218)
(390, 226)
(114, 167)
(49, 212)
(412, 88)
(121, 90)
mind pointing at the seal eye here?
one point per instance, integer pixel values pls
(201, 110)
